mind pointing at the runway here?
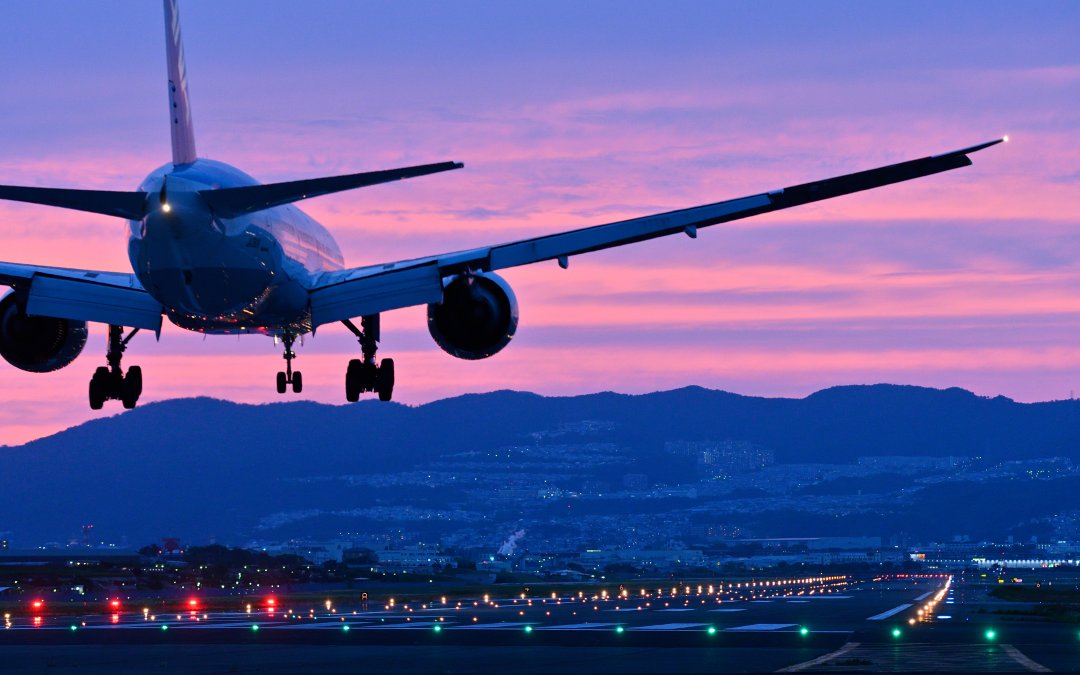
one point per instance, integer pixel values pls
(807, 625)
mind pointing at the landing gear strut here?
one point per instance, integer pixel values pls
(288, 377)
(110, 382)
(364, 375)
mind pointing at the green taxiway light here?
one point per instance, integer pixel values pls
(254, 626)
(991, 634)
(896, 632)
(619, 629)
(437, 628)
(164, 627)
(712, 630)
(528, 629)
(804, 631)
(345, 628)
(74, 627)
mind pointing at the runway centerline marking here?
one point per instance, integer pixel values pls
(669, 626)
(891, 612)
(493, 626)
(577, 626)
(1018, 656)
(413, 625)
(761, 626)
(798, 667)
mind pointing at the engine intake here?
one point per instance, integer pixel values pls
(477, 317)
(37, 344)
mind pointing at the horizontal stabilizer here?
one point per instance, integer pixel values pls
(130, 205)
(232, 202)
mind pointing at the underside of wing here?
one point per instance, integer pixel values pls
(417, 281)
(83, 295)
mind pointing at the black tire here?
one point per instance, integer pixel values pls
(297, 382)
(131, 387)
(98, 388)
(384, 381)
(282, 382)
(352, 381)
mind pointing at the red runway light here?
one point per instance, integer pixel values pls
(115, 604)
(271, 602)
(193, 603)
(37, 604)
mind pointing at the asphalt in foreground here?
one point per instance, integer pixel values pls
(867, 625)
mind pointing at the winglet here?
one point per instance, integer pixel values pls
(183, 134)
(974, 148)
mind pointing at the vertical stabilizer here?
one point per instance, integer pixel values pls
(183, 134)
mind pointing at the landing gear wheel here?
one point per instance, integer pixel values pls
(384, 380)
(364, 375)
(131, 387)
(282, 382)
(109, 383)
(99, 388)
(352, 380)
(297, 382)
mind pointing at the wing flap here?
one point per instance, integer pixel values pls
(376, 293)
(88, 301)
(599, 237)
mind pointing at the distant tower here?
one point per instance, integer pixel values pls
(87, 530)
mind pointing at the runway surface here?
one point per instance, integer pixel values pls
(799, 625)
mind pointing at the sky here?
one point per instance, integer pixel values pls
(569, 114)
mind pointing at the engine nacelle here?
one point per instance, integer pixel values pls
(37, 344)
(477, 317)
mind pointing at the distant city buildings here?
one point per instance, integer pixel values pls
(723, 458)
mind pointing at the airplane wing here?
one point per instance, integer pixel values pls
(83, 295)
(378, 288)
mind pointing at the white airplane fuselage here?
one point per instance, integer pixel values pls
(248, 274)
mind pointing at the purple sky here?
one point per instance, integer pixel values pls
(569, 114)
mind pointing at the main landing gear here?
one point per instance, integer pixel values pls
(110, 382)
(364, 375)
(288, 376)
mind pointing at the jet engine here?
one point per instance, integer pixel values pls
(477, 317)
(37, 344)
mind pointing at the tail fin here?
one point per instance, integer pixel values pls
(183, 134)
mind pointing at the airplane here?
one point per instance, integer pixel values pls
(214, 251)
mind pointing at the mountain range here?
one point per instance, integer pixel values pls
(197, 467)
